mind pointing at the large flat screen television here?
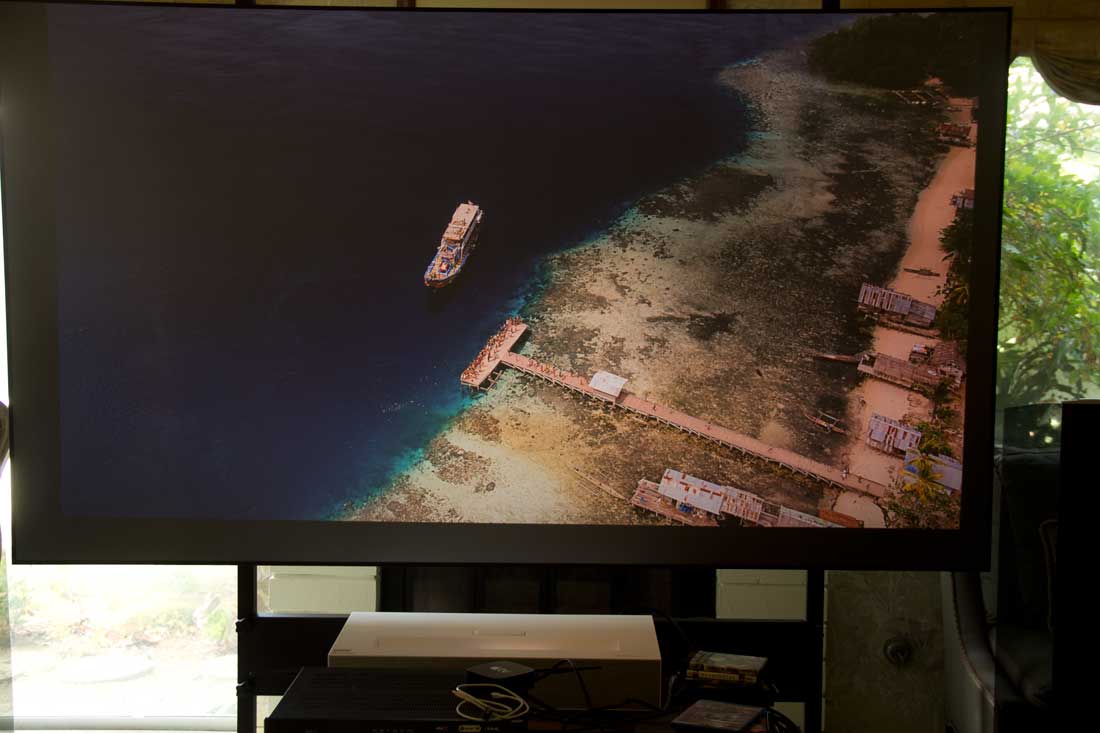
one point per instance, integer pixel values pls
(369, 286)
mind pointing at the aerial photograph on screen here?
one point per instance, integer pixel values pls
(699, 270)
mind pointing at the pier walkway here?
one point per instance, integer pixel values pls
(501, 354)
(487, 360)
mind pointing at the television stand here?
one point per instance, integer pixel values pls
(272, 648)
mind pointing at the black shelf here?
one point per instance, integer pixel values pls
(272, 648)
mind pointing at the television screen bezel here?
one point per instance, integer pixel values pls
(44, 534)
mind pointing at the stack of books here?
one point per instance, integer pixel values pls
(715, 669)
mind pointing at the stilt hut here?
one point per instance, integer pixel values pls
(896, 305)
(964, 199)
(891, 436)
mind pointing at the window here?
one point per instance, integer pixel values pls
(1049, 339)
(111, 641)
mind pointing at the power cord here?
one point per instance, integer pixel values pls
(556, 668)
(687, 646)
(777, 722)
(591, 717)
(680, 658)
(490, 702)
(494, 707)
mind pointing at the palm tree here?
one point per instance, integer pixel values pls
(925, 481)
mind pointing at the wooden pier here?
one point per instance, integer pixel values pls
(483, 366)
(500, 355)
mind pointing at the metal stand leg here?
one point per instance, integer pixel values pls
(815, 618)
(247, 612)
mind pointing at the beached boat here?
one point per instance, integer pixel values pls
(455, 246)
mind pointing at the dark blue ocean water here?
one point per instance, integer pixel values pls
(247, 201)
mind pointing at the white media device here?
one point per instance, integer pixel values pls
(623, 649)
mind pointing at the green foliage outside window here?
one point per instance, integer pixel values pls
(1049, 336)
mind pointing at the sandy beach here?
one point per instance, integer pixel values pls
(709, 296)
(932, 214)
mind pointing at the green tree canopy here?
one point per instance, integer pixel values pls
(934, 440)
(909, 509)
(902, 51)
(957, 241)
(1049, 337)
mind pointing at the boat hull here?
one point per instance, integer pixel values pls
(440, 282)
(435, 279)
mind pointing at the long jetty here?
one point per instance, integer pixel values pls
(498, 352)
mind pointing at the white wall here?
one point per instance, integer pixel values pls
(773, 595)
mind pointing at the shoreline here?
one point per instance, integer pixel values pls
(932, 213)
(619, 303)
(524, 300)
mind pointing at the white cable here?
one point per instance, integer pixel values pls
(491, 708)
